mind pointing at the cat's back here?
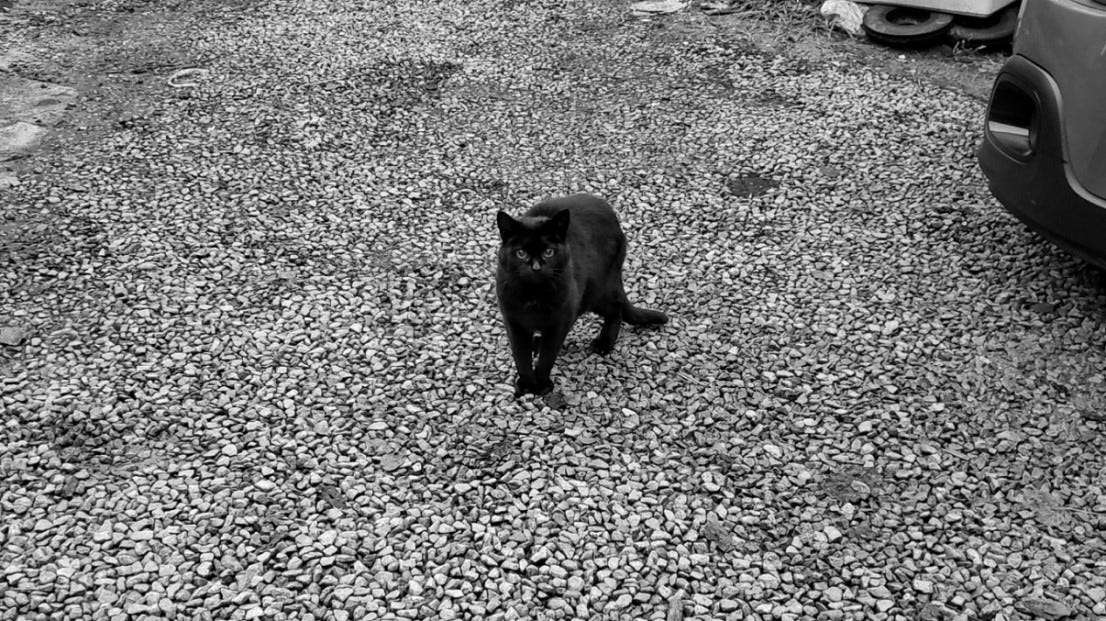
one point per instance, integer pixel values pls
(588, 213)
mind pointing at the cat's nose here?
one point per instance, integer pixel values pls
(536, 266)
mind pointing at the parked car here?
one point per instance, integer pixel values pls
(1044, 145)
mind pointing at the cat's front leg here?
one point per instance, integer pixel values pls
(548, 348)
(522, 350)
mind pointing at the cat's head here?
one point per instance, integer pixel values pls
(533, 247)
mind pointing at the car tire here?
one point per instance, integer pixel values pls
(905, 26)
(997, 28)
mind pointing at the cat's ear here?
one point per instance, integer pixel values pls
(557, 227)
(508, 226)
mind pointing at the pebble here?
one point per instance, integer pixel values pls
(103, 533)
(880, 592)
(12, 336)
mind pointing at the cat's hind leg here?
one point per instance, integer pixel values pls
(608, 334)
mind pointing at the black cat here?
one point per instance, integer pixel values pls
(561, 259)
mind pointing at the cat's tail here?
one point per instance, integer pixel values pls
(636, 316)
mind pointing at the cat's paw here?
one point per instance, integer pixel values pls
(601, 347)
(534, 387)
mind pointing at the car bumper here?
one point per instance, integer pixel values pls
(1024, 158)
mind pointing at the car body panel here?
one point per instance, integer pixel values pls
(1067, 38)
(1041, 190)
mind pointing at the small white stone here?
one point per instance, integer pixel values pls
(773, 450)
(103, 533)
(861, 488)
(832, 533)
(880, 592)
(710, 482)
(230, 450)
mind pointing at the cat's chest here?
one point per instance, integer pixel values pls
(534, 304)
(532, 299)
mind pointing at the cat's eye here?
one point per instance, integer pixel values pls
(548, 253)
(520, 253)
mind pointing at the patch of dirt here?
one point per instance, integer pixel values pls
(41, 103)
(850, 484)
(83, 68)
(746, 186)
(555, 400)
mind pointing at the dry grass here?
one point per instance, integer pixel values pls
(801, 16)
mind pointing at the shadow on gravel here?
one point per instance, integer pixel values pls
(850, 484)
(40, 245)
(392, 86)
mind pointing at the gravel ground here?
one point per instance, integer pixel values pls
(260, 374)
